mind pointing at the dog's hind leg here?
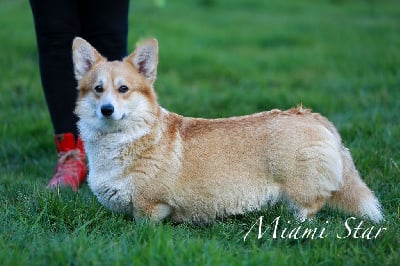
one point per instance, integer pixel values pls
(317, 173)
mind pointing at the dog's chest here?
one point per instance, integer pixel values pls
(107, 177)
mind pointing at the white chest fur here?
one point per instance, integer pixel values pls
(106, 174)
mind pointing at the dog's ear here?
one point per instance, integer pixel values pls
(145, 59)
(84, 57)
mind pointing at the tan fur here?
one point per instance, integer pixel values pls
(149, 162)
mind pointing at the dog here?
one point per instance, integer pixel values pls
(154, 164)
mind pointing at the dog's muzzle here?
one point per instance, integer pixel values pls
(107, 110)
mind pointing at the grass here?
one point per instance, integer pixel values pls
(217, 58)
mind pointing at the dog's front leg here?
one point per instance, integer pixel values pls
(160, 212)
(154, 212)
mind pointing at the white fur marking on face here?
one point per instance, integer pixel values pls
(119, 81)
(102, 80)
(109, 98)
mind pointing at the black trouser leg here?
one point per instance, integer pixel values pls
(56, 24)
(103, 23)
(106, 27)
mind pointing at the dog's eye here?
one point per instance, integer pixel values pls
(123, 89)
(99, 88)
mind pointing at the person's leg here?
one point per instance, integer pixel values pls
(56, 24)
(105, 26)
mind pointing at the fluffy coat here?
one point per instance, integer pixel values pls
(152, 163)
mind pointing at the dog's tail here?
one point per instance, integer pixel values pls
(355, 197)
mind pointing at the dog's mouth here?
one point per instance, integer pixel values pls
(112, 118)
(110, 124)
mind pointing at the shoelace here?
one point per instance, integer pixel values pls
(67, 163)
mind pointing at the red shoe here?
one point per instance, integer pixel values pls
(71, 166)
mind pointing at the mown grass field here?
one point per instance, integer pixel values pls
(217, 58)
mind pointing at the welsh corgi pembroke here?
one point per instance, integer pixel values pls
(154, 164)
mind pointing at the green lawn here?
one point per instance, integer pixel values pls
(217, 58)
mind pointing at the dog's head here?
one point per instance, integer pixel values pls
(117, 95)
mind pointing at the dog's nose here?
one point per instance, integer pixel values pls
(107, 110)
